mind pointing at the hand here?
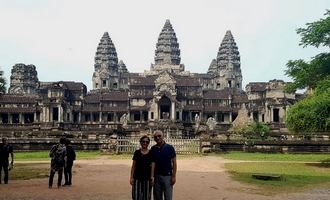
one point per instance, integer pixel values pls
(152, 181)
(173, 180)
(131, 181)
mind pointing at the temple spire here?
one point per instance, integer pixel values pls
(213, 68)
(167, 48)
(228, 55)
(122, 67)
(106, 53)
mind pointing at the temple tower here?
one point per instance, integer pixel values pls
(106, 65)
(227, 66)
(23, 79)
(122, 67)
(167, 53)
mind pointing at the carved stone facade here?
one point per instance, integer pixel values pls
(23, 79)
(165, 97)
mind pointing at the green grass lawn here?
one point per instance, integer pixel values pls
(276, 157)
(29, 171)
(44, 155)
(298, 171)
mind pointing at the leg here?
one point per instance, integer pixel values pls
(60, 174)
(70, 173)
(168, 187)
(51, 177)
(5, 170)
(158, 188)
(0, 171)
(66, 176)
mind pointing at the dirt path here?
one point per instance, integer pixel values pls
(201, 178)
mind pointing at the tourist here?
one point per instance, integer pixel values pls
(5, 151)
(165, 166)
(140, 179)
(57, 153)
(70, 157)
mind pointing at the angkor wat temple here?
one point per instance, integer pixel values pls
(166, 97)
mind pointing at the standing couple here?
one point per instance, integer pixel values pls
(62, 155)
(155, 167)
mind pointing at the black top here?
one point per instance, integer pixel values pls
(163, 156)
(5, 150)
(70, 154)
(142, 165)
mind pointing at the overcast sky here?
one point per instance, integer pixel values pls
(60, 37)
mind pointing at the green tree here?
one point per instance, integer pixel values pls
(311, 114)
(309, 74)
(252, 130)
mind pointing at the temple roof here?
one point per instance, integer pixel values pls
(17, 98)
(187, 81)
(217, 94)
(122, 67)
(228, 54)
(167, 48)
(106, 53)
(142, 81)
(213, 67)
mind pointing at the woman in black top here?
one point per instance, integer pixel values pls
(141, 179)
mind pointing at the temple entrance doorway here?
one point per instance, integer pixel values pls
(164, 107)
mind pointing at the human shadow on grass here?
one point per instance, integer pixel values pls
(324, 164)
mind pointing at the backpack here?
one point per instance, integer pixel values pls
(58, 155)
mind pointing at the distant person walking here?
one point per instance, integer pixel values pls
(5, 151)
(57, 153)
(141, 179)
(70, 157)
(165, 167)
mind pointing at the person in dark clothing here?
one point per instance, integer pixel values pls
(70, 157)
(165, 167)
(141, 179)
(5, 151)
(57, 153)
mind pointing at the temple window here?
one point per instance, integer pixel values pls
(276, 116)
(229, 84)
(104, 83)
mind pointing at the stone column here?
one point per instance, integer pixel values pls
(60, 114)
(190, 116)
(216, 116)
(79, 117)
(140, 116)
(20, 116)
(35, 116)
(156, 114)
(173, 111)
(230, 116)
(100, 117)
(115, 117)
(49, 114)
(10, 119)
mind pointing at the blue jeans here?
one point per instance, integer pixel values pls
(163, 186)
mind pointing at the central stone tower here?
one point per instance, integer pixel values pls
(106, 75)
(167, 53)
(226, 69)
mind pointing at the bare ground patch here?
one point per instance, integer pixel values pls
(198, 178)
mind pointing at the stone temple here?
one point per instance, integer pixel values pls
(166, 97)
